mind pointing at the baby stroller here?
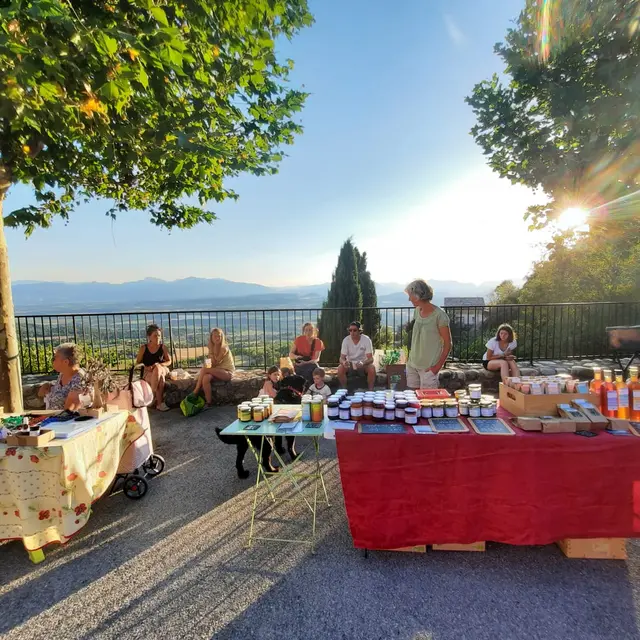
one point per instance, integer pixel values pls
(139, 461)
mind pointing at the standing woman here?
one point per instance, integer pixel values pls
(156, 360)
(305, 352)
(430, 340)
(221, 366)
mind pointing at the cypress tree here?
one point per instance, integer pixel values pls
(344, 294)
(370, 318)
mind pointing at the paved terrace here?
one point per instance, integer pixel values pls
(174, 565)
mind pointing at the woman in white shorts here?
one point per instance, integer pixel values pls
(430, 340)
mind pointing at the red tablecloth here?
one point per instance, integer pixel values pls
(531, 488)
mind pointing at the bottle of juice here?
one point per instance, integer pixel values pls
(634, 394)
(609, 396)
(596, 383)
(623, 396)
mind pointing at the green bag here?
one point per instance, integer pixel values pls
(192, 405)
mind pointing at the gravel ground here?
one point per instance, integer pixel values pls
(175, 565)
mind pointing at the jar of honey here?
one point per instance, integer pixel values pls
(317, 409)
(258, 412)
(451, 408)
(438, 409)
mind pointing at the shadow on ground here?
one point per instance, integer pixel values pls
(175, 564)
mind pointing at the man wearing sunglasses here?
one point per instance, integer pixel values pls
(356, 356)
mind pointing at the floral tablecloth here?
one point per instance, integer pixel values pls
(46, 492)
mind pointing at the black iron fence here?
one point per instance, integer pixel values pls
(258, 338)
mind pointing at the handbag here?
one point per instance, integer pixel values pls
(133, 395)
(192, 405)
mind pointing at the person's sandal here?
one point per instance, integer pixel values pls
(162, 407)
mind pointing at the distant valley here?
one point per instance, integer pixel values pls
(35, 297)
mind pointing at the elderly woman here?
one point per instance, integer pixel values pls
(220, 367)
(430, 340)
(156, 360)
(305, 352)
(71, 390)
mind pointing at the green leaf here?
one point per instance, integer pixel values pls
(160, 16)
(143, 78)
(109, 90)
(48, 90)
(259, 65)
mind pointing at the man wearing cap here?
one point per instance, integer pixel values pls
(356, 356)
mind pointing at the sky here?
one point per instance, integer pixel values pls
(386, 157)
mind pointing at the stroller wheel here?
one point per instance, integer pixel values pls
(154, 466)
(135, 487)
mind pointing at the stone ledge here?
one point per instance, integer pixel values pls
(246, 384)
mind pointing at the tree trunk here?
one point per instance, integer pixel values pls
(10, 379)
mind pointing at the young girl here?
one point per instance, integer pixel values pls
(499, 355)
(270, 386)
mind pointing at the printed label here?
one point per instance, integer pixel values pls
(636, 400)
(612, 400)
(623, 398)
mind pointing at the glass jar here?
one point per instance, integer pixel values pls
(378, 410)
(389, 412)
(317, 409)
(459, 394)
(415, 404)
(426, 409)
(356, 408)
(244, 412)
(411, 415)
(438, 409)
(258, 412)
(367, 407)
(475, 391)
(266, 407)
(451, 408)
(401, 405)
(474, 410)
(306, 408)
(333, 408)
(463, 407)
(345, 410)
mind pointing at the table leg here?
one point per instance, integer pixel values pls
(36, 556)
(316, 442)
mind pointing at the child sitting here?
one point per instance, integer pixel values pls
(270, 386)
(319, 387)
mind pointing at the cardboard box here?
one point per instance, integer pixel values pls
(521, 404)
(31, 441)
(474, 546)
(619, 424)
(93, 413)
(529, 423)
(419, 548)
(594, 548)
(571, 413)
(598, 421)
(551, 424)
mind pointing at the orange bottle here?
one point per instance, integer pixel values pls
(596, 383)
(609, 396)
(623, 396)
(634, 394)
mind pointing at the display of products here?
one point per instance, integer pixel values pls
(623, 396)
(634, 394)
(609, 396)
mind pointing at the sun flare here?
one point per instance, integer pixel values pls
(573, 218)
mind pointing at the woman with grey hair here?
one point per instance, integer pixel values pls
(430, 340)
(71, 390)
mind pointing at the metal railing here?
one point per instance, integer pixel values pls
(258, 338)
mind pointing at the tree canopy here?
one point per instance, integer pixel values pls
(567, 122)
(152, 105)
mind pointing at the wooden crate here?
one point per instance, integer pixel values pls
(46, 435)
(520, 404)
(474, 546)
(419, 548)
(594, 548)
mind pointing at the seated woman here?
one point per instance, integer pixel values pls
(270, 386)
(71, 390)
(156, 360)
(499, 355)
(221, 366)
(305, 352)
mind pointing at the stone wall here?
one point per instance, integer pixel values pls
(246, 384)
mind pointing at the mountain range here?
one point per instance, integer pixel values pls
(39, 297)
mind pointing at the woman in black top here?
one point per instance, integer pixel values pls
(155, 358)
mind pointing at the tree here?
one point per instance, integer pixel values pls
(151, 107)
(343, 304)
(370, 317)
(567, 122)
(505, 293)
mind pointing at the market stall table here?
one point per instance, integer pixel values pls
(46, 492)
(313, 431)
(403, 490)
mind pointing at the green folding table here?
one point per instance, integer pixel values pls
(269, 481)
